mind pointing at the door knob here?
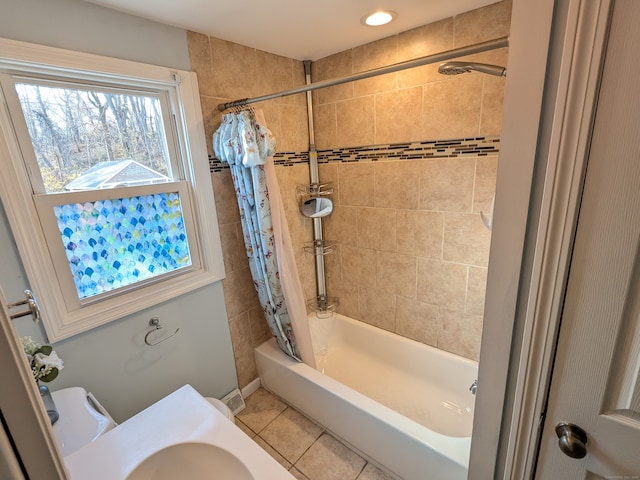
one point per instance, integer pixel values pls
(572, 440)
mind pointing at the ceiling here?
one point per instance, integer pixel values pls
(298, 29)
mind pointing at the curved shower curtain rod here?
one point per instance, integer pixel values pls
(418, 62)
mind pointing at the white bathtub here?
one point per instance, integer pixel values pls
(403, 405)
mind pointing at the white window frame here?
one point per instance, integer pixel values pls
(61, 320)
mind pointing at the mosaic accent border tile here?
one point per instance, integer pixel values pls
(473, 146)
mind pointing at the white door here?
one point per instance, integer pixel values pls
(595, 384)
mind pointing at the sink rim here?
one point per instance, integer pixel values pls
(140, 470)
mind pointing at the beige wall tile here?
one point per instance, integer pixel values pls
(260, 331)
(356, 183)
(425, 40)
(451, 107)
(374, 55)
(288, 198)
(328, 173)
(241, 332)
(211, 117)
(245, 367)
(299, 227)
(419, 233)
(397, 184)
(341, 225)
(398, 116)
(294, 129)
(460, 334)
(299, 79)
(476, 291)
(380, 110)
(276, 73)
(297, 175)
(377, 228)
(333, 263)
(333, 66)
(418, 76)
(233, 249)
(466, 239)
(446, 184)
(355, 124)
(273, 119)
(419, 42)
(233, 69)
(417, 321)
(373, 85)
(242, 349)
(492, 99)
(325, 124)
(359, 266)
(240, 294)
(347, 296)
(485, 183)
(200, 58)
(483, 24)
(397, 273)
(377, 307)
(226, 200)
(442, 283)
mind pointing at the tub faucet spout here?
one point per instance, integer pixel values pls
(474, 387)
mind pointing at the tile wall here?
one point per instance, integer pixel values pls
(228, 71)
(412, 252)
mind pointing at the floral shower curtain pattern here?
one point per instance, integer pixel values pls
(245, 144)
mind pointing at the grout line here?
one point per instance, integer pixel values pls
(361, 470)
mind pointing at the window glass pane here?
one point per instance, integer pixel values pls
(90, 139)
(116, 243)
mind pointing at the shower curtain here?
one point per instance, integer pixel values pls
(246, 144)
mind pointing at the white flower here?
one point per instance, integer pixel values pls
(29, 345)
(51, 360)
(43, 360)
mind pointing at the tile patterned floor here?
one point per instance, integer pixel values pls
(300, 445)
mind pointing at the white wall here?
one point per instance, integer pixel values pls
(84, 27)
(112, 361)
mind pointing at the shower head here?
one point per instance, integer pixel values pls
(456, 68)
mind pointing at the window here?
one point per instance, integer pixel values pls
(107, 185)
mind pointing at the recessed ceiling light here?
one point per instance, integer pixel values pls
(381, 17)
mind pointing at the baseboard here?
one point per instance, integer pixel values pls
(251, 387)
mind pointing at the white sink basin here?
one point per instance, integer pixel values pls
(191, 460)
(180, 436)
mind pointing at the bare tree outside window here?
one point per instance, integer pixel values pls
(73, 130)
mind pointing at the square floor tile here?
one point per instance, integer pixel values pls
(261, 408)
(291, 434)
(328, 459)
(276, 456)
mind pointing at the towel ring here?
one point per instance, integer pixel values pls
(155, 323)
